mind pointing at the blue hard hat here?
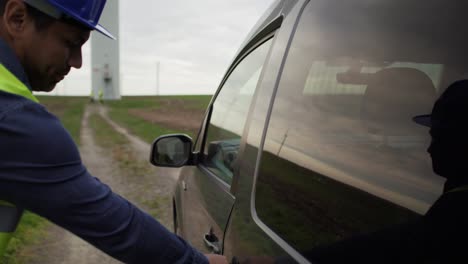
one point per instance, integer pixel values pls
(86, 12)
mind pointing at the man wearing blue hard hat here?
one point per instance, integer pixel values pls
(40, 167)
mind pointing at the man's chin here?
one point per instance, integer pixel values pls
(44, 88)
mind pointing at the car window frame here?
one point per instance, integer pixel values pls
(269, 33)
(268, 231)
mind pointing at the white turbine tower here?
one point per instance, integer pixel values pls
(105, 57)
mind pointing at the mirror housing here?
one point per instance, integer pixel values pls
(173, 150)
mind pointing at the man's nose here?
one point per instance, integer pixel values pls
(430, 148)
(76, 59)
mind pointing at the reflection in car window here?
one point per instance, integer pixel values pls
(343, 85)
(341, 155)
(230, 112)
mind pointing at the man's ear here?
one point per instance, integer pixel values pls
(15, 18)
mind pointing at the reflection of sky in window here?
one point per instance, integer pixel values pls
(322, 78)
(249, 87)
(231, 105)
(434, 71)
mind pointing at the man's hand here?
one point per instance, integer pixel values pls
(216, 259)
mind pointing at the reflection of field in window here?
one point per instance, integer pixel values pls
(307, 209)
(244, 235)
(214, 155)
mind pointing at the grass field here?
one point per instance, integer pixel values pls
(124, 113)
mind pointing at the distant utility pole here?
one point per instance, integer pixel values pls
(158, 65)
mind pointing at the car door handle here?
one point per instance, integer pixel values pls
(212, 241)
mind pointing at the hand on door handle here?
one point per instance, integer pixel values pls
(216, 259)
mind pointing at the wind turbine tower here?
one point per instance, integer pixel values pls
(105, 56)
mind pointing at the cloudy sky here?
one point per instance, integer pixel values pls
(194, 42)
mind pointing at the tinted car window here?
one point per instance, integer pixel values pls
(229, 113)
(342, 155)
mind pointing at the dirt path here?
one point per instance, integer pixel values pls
(150, 190)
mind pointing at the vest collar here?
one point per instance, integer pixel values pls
(11, 62)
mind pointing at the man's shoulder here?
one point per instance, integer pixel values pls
(14, 105)
(450, 206)
(12, 102)
(17, 111)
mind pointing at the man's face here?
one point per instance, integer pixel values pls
(448, 150)
(51, 52)
(438, 152)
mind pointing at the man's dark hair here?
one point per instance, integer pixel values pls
(41, 20)
(2, 6)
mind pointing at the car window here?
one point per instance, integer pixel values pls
(342, 155)
(230, 112)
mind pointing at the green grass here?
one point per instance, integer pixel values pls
(139, 126)
(120, 112)
(154, 102)
(118, 146)
(33, 227)
(105, 135)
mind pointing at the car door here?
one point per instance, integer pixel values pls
(204, 199)
(341, 156)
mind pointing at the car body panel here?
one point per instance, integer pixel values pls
(245, 241)
(203, 204)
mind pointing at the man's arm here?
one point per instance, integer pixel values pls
(40, 170)
(216, 259)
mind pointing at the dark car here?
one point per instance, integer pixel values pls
(308, 145)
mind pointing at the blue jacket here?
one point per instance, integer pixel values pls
(41, 170)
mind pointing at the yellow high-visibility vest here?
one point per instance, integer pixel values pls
(10, 84)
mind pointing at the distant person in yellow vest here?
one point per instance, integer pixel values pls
(101, 96)
(40, 166)
(91, 96)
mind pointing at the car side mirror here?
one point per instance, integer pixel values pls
(172, 151)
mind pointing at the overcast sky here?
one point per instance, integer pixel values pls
(194, 41)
